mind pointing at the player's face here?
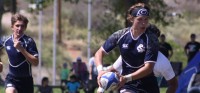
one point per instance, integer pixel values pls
(193, 38)
(18, 28)
(141, 22)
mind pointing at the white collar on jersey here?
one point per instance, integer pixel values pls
(132, 34)
(18, 39)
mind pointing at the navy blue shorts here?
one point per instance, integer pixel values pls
(22, 85)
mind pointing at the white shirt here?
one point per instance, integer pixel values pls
(161, 68)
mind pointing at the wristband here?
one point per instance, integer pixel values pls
(99, 68)
(100, 89)
(128, 78)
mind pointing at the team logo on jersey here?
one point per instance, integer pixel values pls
(125, 46)
(8, 47)
(140, 48)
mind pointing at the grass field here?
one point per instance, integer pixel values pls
(162, 90)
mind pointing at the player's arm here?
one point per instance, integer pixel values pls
(143, 71)
(31, 58)
(164, 67)
(186, 49)
(99, 59)
(109, 44)
(140, 73)
(172, 85)
(90, 72)
(149, 60)
(99, 63)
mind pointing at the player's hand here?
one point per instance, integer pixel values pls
(100, 90)
(17, 45)
(100, 73)
(121, 83)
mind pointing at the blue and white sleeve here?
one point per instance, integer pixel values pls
(113, 40)
(32, 48)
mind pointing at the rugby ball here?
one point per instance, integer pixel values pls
(109, 80)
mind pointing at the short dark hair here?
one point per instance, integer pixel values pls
(78, 59)
(73, 77)
(192, 35)
(162, 35)
(19, 17)
(45, 79)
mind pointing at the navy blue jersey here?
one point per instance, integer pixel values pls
(18, 64)
(134, 52)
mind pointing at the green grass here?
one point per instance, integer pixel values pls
(162, 90)
(2, 89)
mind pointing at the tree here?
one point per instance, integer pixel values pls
(13, 6)
(110, 22)
(10, 6)
(45, 3)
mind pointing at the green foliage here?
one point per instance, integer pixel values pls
(47, 54)
(109, 24)
(76, 20)
(42, 3)
(47, 48)
(178, 53)
(115, 19)
(2, 89)
(7, 3)
(72, 1)
(112, 57)
(158, 9)
(178, 34)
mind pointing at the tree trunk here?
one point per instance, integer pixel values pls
(14, 6)
(1, 14)
(59, 22)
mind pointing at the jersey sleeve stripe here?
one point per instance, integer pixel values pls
(104, 50)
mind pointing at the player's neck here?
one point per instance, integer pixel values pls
(16, 37)
(136, 32)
